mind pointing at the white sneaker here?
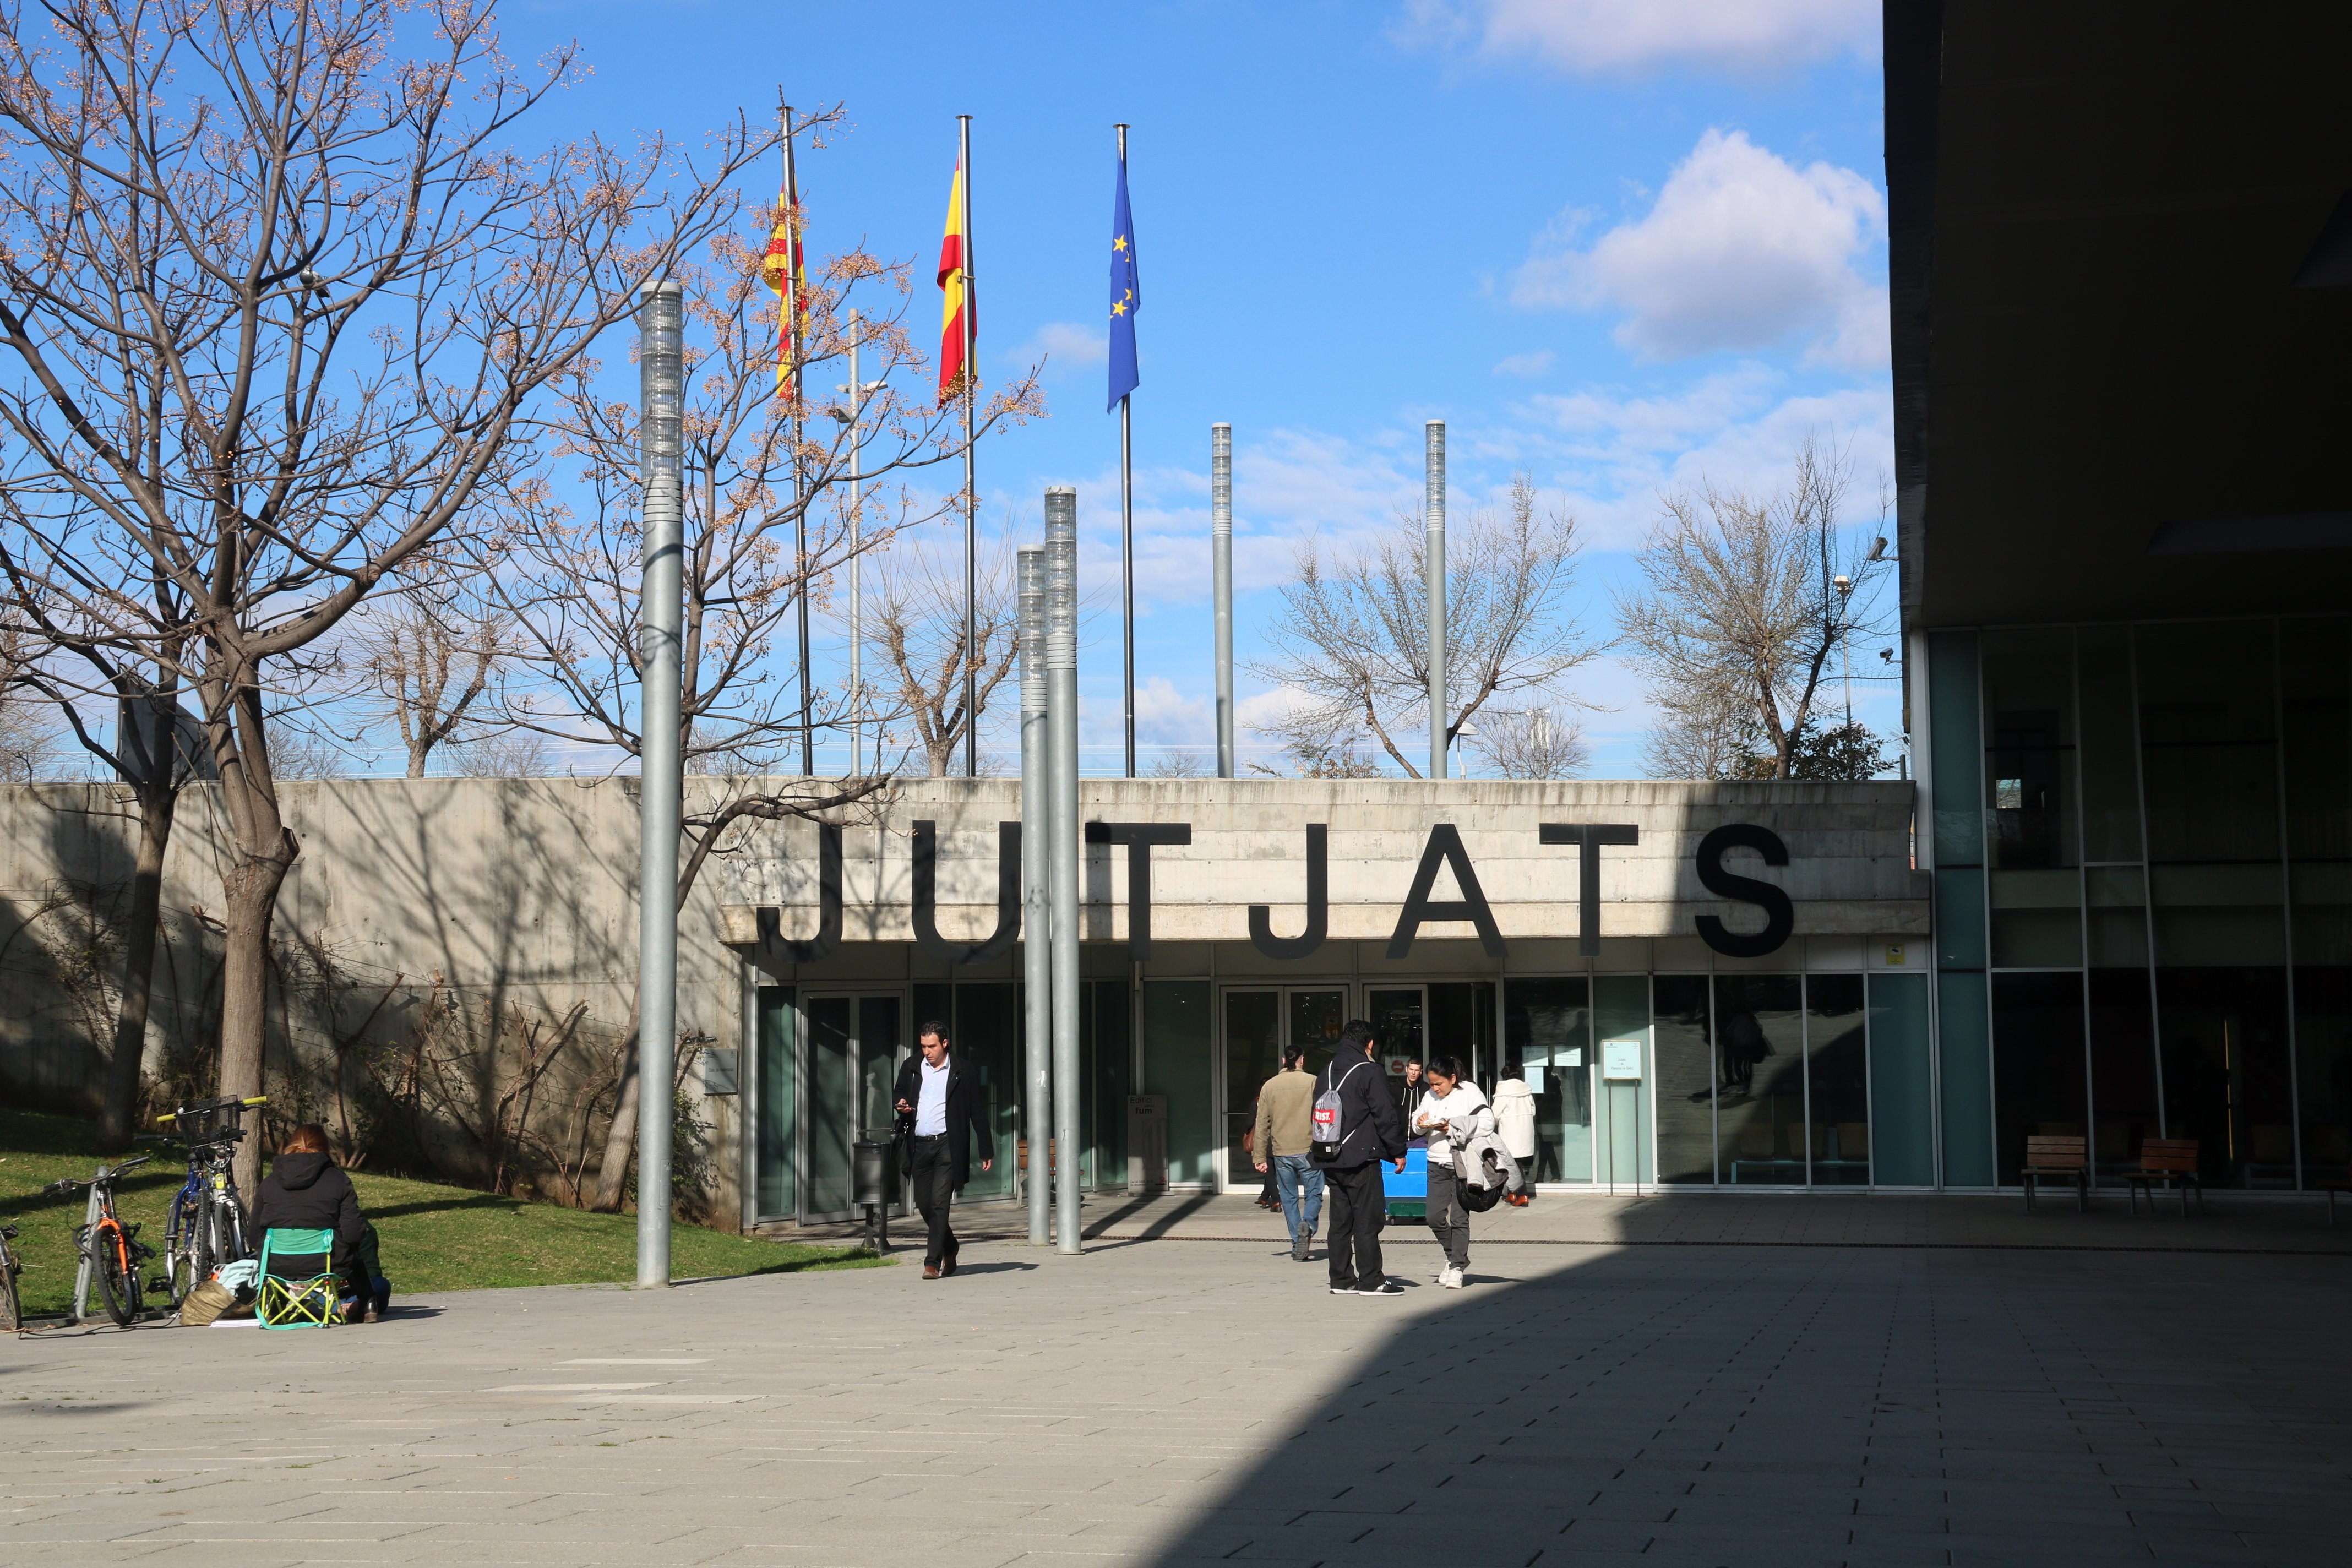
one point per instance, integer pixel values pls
(1451, 1279)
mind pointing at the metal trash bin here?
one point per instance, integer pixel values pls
(871, 1181)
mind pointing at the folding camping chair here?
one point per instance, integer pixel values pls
(295, 1297)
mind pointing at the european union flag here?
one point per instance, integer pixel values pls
(1126, 296)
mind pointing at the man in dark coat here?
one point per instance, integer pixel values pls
(1369, 1132)
(941, 1104)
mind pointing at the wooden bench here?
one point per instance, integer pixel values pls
(2340, 1184)
(2166, 1161)
(2053, 1158)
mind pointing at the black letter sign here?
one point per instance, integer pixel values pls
(1779, 915)
(1138, 838)
(769, 919)
(1319, 905)
(1591, 835)
(1445, 848)
(927, 896)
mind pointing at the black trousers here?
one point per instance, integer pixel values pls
(1359, 1208)
(934, 1179)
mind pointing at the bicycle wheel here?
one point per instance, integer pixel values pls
(184, 1264)
(118, 1282)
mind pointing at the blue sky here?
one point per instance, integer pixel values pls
(1623, 244)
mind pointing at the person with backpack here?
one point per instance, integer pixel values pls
(1356, 1126)
(1452, 1113)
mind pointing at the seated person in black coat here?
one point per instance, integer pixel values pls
(304, 1191)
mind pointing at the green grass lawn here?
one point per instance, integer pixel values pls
(434, 1237)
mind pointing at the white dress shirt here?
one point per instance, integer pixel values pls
(931, 1105)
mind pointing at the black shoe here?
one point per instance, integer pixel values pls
(1300, 1243)
(1343, 1289)
(1385, 1287)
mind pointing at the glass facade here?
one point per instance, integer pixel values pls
(2142, 878)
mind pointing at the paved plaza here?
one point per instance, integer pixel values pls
(1721, 1399)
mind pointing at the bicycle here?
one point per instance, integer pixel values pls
(12, 1311)
(206, 1225)
(115, 1252)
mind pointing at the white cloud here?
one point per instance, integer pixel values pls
(1608, 456)
(1741, 251)
(1632, 37)
(1537, 362)
(1063, 345)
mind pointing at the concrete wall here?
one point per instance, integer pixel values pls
(515, 897)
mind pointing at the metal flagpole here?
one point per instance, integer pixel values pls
(970, 482)
(1433, 574)
(856, 547)
(661, 615)
(800, 483)
(1221, 554)
(1062, 810)
(1036, 883)
(1126, 539)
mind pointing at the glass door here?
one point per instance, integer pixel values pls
(1258, 1023)
(856, 1043)
(1399, 1016)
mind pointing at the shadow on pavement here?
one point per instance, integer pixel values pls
(1810, 1404)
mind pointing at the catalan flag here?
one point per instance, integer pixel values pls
(782, 270)
(955, 264)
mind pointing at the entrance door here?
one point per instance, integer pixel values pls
(855, 1046)
(1399, 1016)
(1258, 1023)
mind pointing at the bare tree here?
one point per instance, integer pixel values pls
(1353, 636)
(84, 667)
(1743, 604)
(1536, 744)
(281, 288)
(917, 612)
(429, 652)
(767, 521)
(23, 727)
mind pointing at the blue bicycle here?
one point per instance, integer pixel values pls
(206, 1226)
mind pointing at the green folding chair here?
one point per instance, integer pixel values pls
(298, 1300)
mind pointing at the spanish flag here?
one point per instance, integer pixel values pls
(781, 270)
(955, 261)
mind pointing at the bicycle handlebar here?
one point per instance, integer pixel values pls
(170, 1117)
(59, 1188)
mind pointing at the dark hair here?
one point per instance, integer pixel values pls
(1293, 1055)
(1356, 1035)
(1514, 1068)
(1445, 1068)
(933, 1026)
(309, 1138)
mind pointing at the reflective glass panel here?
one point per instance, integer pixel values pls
(1837, 1079)
(2109, 749)
(1759, 1061)
(2225, 1071)
(2038, 1085)
(779, 1189)
(1548, 1041)
(832, 1108)
(1685, 1065)
(2316, 691)
(1252, 1055)
(987, 1024)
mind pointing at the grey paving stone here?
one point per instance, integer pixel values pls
(1189, 1401)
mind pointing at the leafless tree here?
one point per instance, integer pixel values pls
(1176, 764)
(24, 729)
(917, 612)
(1353, 635)
(429, 651)
(280, 287)
(1743, 604)
(1533, 743)
(503, 753)
(767, 521)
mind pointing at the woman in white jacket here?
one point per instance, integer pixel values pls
(1514, 1122)
(1452, 1113)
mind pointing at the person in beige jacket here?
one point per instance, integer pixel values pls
(1286, 1127)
